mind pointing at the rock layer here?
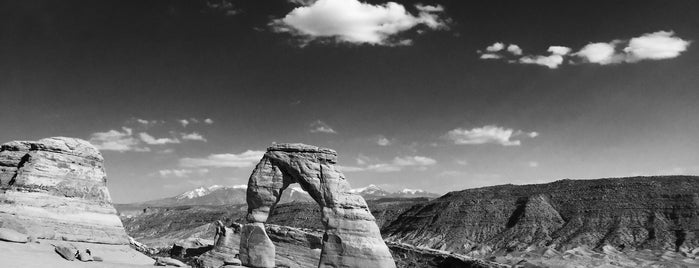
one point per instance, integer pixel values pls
(55, 188)
(631, 213)
(351, 239)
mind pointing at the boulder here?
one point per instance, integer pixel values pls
(10, 235)
(67, 251)
(85, 255)
(167, 261)
(56, 189)
(352, 237)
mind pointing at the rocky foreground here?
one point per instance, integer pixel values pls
(55, 209)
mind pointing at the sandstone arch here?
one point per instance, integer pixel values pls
(351, 239)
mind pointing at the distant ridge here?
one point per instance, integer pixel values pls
(659, 212)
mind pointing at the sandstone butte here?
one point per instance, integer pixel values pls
(351, 238)
(55, 190)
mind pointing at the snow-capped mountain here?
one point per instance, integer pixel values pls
(217, 195)
(375, 192)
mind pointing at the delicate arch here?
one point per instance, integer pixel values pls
(351, 239)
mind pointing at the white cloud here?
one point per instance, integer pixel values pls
(495, 47)
(245, 159)
(514, 49)
(208, 121)
(487, 134)
(181, 173)
(533, 164)
(183, 122)
(414, 161)
(321, 127)
(601, 53)
(383, 141)
(551, 61)
(488, 56)
(148, 139)
(193, 137)
(114, 140)
(650, 46)
(655, 46)
(356, 22)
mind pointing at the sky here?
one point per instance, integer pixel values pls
(432, 95)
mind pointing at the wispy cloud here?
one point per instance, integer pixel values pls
(115, 140)
(321, 127)
(488, 134)
(182, 173)
(397, 164)
(352, 21)
(381, 140)
(245, 159)
(193, 137)
(150, 140)
(650, 46)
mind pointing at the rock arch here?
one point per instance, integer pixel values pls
(351, 239)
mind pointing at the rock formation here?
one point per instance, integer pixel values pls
(55, 188)
(351, 239)
(656, 213)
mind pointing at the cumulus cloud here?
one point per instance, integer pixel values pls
(487, 134)
(650, 46)
(497, 46)
(245, 159)
(193, 137)
(321, 127)
(150, 140)
(514, 49)
(208, 121)
(355, 22)
(183, 122)
(181, 173)
(533, 164)
(115, 140)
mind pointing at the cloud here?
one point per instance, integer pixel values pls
(533, 164)
(397, 164)
(488, 56)
(600, 53)
(181, 173)
(383, 141)
(552, 61)
(487, 134)
(150, 140)
(208, 121)
(183, 122)
(245, 159)
(115, 140)
(355, 22)
(514, 49)
(495, 47)
(321, 127)
(655, 46)
(193, 137)
(650, 46)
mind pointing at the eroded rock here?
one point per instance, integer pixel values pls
(56, 189)
(351, 239)
(10, 235)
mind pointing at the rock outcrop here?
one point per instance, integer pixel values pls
(351, 239)
(653, 213)
(55, 188)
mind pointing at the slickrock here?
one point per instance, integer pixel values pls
(657, 213)
(10, 235)
(351, 239)
(167, 261)
(56, 188)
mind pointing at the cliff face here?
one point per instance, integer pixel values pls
(55, 188)
(632, 213)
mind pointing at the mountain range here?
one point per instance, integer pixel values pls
(217, 195)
